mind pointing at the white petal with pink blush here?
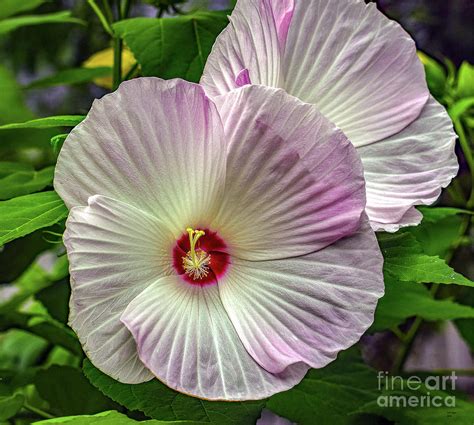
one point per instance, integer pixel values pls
(361, 71)
(220, 247)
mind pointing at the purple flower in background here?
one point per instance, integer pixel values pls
(361, 71)
(222, 248)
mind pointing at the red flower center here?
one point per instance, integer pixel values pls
(200, 257)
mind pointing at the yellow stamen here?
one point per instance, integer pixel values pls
(196, 262)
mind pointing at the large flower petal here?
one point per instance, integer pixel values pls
(114, 252)
(305, 308)
(186, 339)
(409, 168)
(358, 67)
(248, 50)
(155, 144)
(294, 182)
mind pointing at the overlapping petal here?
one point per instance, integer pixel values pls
(358, 67)
(305, 308)
(361, 71)
(293, 182)
(154, 144)
(409, 168)
(114, 251)
(249, 49)
(185, 337)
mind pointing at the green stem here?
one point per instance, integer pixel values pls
(132, 71)
(103, 20)
(400, 335)
(117, 71)
(407, 343)
(108, 10)
(37, 411)
(123, 8)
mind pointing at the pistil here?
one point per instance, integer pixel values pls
(196, 261)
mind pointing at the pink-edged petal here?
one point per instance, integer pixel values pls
(409, 168)
(251, 44)
(308, 308)
(186, 339)
(114, 252)
(294, 183)
(356, 65)
(154, 144)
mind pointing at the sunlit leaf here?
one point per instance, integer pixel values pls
(57, 142)
(435, 74)
(25, 214)
(407, 299)
(57, 121)
(12, 7)
(465, 86)
(11, 24)
(10, 405)
(25, 182)
(405, 260)
(463, 105)
(110, 418)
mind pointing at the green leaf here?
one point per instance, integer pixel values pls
(25, 182)
(12, 7)
(465, 87)
(406, 299)
(466, 328)
(25, 214)
(10, 405)
(7, 168)
(330, 394)
(17, 255)
(419, 412)
(109, 418)
(8, 25)
(172, 47)
(58, 121)
(68, 392)
(13, 109)
(462, 106)
(43, 326)
(435, 74)
(57, 142)
(440, 229)
(405, 260)
(158, 401)
(19, 350)
(56, 299)
(70, 76)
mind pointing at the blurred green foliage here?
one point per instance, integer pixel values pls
(45, 91)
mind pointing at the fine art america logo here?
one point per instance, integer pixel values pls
(415, 391)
